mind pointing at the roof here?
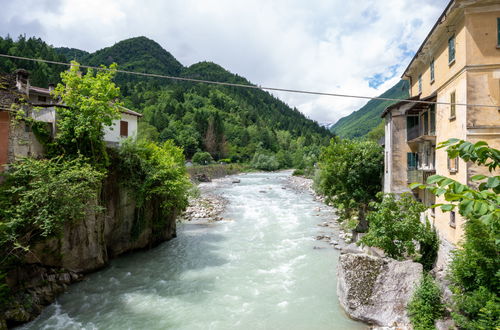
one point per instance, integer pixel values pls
(443, 15)
(409, 100)
(129, 112)
(397, 104)
(39, 90)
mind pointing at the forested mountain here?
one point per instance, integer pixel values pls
(361, 122)
(227, 122)
(41, 73)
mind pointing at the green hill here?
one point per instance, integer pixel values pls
(361, 122)
(228, 122)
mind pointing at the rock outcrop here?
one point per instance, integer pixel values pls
(376, 290)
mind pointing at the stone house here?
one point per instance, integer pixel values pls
(16, 138)
(458, 63)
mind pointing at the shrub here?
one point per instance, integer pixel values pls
(426, 306)
(39, 196)
(396, 228)
(155, 170)
(298, 172)
(264, 162)
(202, 158)
(475, 278)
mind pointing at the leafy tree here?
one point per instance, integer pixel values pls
(395, 227)
(90, 104)
(202, 158)
(351, 176)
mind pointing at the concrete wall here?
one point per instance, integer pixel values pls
(112, 133)
(22, 142)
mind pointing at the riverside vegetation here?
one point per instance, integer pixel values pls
(349, 175)
(40, 196)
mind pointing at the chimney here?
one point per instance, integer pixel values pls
(22, 81)
(51, 87)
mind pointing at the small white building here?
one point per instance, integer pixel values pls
(122, 128)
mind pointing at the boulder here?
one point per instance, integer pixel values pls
(376, 290)
(236, 181)
(202, 178)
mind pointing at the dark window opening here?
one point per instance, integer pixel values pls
(451, 50)
(123, 128)
(453, 223)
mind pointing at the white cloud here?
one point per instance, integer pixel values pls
(322, 45)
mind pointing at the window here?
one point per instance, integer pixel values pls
(451, 50)
(453, 223)
(498, 32)
(123, 128)
(412, 160)
(432, 70)
(453, 165)
(432, 114)
(453, 106)
(42, 98)
(420, 83)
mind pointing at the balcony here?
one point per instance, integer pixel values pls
(421, 124)
(419, 176)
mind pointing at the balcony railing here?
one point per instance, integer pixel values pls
(419, 176)
(412, 133)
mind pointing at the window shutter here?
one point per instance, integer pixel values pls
(498, 31)
(123, 128)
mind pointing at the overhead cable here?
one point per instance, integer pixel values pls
(288, 90)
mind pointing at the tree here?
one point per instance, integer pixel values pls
(395, 227)
(90, 103)
(351, 176)
(474, 268)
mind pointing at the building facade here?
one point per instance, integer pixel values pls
(457, 66)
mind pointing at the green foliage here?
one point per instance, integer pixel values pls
(264, 162)
(39, 196)
(362, 121)
(395, 227)
(376, 133)
(475, 278)
(91, 104)
(474, 274)
(426, 305)
(481, 203)
(155, 170)
(298, 172)
(351, 176)
(202, 158)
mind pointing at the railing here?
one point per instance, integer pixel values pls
(418, 176)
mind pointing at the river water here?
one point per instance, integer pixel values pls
(259, 269)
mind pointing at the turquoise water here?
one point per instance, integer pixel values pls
(257, 270)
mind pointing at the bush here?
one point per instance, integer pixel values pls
(39, 196)
(426, 306)
(396, 228)
(264, 162)
(202, 158)
(298, 172)
(475, 278)
(155, 170)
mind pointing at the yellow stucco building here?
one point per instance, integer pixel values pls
(458, 63)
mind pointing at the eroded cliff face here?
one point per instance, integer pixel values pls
(85, 246)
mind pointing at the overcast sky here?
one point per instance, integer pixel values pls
(345, 46)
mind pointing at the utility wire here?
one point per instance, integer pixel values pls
(298, 91)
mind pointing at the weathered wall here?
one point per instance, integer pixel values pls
(4, 138)
(22, 142)
(88, 245)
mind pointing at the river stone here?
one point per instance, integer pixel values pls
(376, 290)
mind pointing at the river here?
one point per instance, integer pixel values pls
(259, 269)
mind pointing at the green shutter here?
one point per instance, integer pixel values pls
(498, 31)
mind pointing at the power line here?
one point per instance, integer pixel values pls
(220, 83)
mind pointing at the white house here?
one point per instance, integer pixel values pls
(122, 128)
(41, 98)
